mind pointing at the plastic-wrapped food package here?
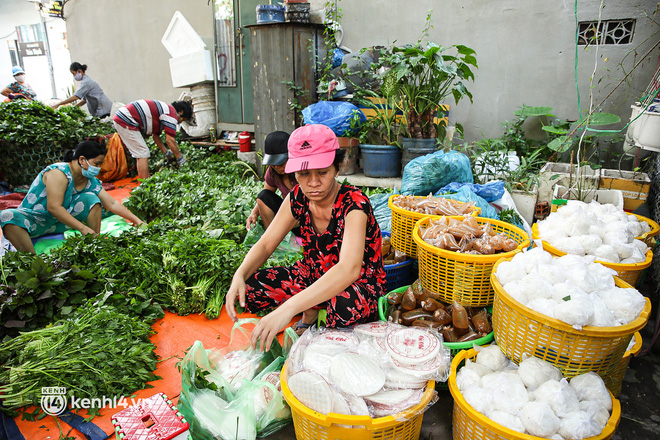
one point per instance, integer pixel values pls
(480, 399)
(625, 304)
(508, 420)
(590, 386)
(544, 306)
(578, 425)
(358, 366)
(599, 414)
(606, 253)
(578, 312)
(561, 397)
(508, 389)
(539, 419)
(467, 378)
(534, 372)
(491, 357)
(508, 272)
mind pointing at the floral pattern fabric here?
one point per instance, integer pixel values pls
(33, 215)
(268, 288)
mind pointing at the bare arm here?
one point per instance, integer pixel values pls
(81, 103)
(159, 143)
(6, 91)
(114, 206)
(254, 214)
(68, 100)
(56, 184)
(334, 281)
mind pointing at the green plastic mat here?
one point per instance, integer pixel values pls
(113, 226)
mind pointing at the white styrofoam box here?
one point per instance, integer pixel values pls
(180, 37)
(602, 196)
(559, 173)
(192, 68)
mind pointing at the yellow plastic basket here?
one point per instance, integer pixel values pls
(403, 222)
(648, 237)
(615, 380)
(630, 273)
(311, 425)
(468, 424)
(463, 277)
(520, 330)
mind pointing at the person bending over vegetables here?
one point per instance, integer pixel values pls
(268, 202)
(342, 267)
(63, 196)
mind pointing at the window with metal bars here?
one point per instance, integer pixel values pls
(607, 32)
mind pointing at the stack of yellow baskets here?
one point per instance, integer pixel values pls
(462, 277)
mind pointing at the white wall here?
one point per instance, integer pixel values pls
(525, 51)
(120, 41)
(20, 12)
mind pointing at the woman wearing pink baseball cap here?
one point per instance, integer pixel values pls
(342, 268)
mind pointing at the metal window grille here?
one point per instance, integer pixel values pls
(606, 32)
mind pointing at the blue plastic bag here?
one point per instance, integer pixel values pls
(465, 194)
(382, 212)
(427, 174)
(335, 114)
(337, 57)
(492, 190)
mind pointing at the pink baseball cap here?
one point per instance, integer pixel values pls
(311, 147)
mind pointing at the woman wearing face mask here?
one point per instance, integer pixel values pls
(65, 195)
(19, 88)
(89, 92)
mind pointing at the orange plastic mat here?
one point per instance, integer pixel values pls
(174, 335)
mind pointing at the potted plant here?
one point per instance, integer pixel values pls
(423, 75)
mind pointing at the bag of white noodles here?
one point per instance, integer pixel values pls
(220, 389)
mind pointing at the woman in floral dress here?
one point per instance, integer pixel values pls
(342, 268)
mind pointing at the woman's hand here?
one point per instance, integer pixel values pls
(237, 289)
(251, 220)
(138, 222)
(87, 230)
(268, 328)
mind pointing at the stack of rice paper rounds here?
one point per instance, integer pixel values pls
(603, 231)
(573, 289)
(533, 398)
(375, 369)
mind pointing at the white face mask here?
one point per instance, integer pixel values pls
(78, 76)
(20, 78)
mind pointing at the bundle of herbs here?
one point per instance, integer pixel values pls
(97, 351)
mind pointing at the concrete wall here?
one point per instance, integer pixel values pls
(120, 41)
(525, 51)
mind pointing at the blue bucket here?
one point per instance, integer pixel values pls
(381, 160)
(270, 14)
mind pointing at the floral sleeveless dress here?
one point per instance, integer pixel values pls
(32, 214)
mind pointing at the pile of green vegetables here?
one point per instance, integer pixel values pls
(80, 316)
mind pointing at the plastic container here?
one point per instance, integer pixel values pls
(630, 273)
(403, 222)
(381, 160)
(397, 274)
(468, 424)
(615, 380)
(270, 14)
(311, 425)
(520, 330)
(455, 347)
(245, 142)
(462, 277)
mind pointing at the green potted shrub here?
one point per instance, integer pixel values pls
(424, 74)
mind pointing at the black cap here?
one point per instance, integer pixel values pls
(275, 148)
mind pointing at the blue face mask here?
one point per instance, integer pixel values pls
(91, 170)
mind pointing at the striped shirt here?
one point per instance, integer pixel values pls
(148, 116)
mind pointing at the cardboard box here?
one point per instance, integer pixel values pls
(635, 186)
